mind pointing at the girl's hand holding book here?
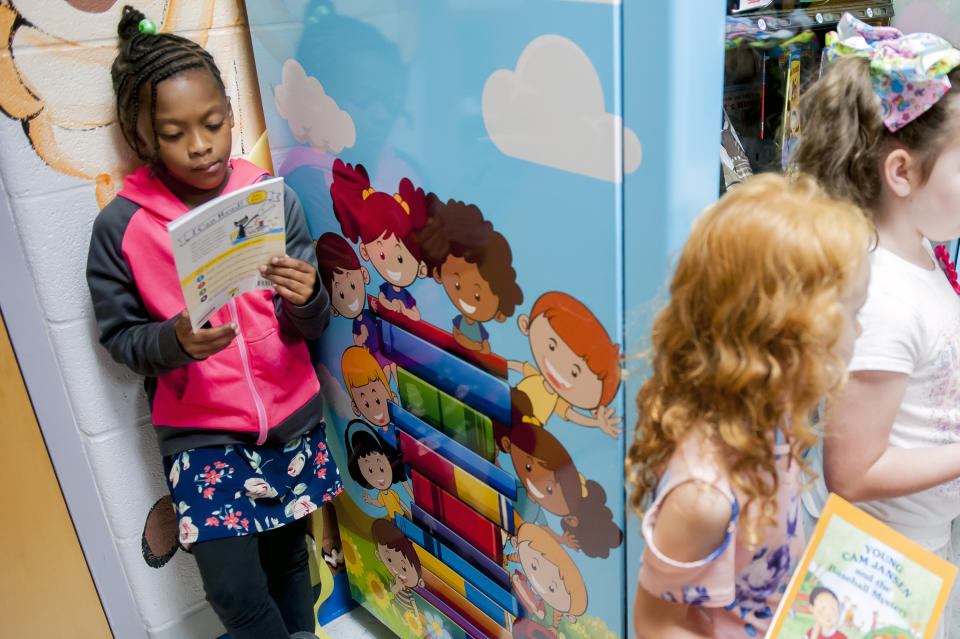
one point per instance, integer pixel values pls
(204, 342)
(293, 279)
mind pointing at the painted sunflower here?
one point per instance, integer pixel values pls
(351, 556)
(378, 593)
(413, 622)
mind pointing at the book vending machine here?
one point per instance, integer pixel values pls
(773, 51)
(495, 190)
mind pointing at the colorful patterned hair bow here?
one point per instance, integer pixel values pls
(909, 72)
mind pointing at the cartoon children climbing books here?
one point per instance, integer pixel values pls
(548, 481)
(345, 280)
(376, 465)
(367, 386)
(473, 264)
(386, 227)
(548, 582)
(577, 366)
(398, 555)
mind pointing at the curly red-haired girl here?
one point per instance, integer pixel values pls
(759, 327)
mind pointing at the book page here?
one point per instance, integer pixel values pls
(220, 246)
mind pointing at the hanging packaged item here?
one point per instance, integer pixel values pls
(762, 48)
(748, 5)
(790, 128)
(733, 158)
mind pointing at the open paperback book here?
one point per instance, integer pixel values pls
(860, 579)
(219, 246)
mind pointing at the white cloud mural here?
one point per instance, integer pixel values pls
(313, 116)
(550, 111)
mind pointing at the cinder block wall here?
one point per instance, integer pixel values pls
(61, 159)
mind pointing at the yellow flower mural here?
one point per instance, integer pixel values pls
(378, 591)
(351, 555)
(413, 622)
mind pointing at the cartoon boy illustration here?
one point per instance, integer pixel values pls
(473, 263)
(550, 586)
(367, 385)
(345, 280)
(375, 464)
(577, 366)
(398, 555)
(826, 615)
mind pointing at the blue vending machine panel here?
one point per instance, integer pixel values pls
(483, 195)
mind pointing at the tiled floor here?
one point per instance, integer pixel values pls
(357, 624)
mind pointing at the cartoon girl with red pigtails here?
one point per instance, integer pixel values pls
(386, 228)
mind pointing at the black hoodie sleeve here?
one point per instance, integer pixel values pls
(309, 320)
(148, 347)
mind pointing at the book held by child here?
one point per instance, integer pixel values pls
(219, 246)
(860, 579)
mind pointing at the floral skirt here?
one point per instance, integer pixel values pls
(226, 491)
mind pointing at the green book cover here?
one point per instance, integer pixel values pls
(860, 579)
(419, 398)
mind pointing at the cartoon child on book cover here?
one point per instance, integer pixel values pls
(825, 607)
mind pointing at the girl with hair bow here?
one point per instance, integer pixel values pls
(881, 128)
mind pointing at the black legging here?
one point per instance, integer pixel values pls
(259, 585)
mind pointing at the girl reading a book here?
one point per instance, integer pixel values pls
(881, 128)
(236, 405)
(759, 326)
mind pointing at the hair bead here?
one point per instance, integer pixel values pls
(147, 26)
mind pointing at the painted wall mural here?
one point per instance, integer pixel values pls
(550, 110)
(55, 61)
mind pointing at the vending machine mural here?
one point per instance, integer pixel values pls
(462, 168)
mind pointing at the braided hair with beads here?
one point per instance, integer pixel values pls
(146, 58)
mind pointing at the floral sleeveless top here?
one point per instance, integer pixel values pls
(735, 589)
